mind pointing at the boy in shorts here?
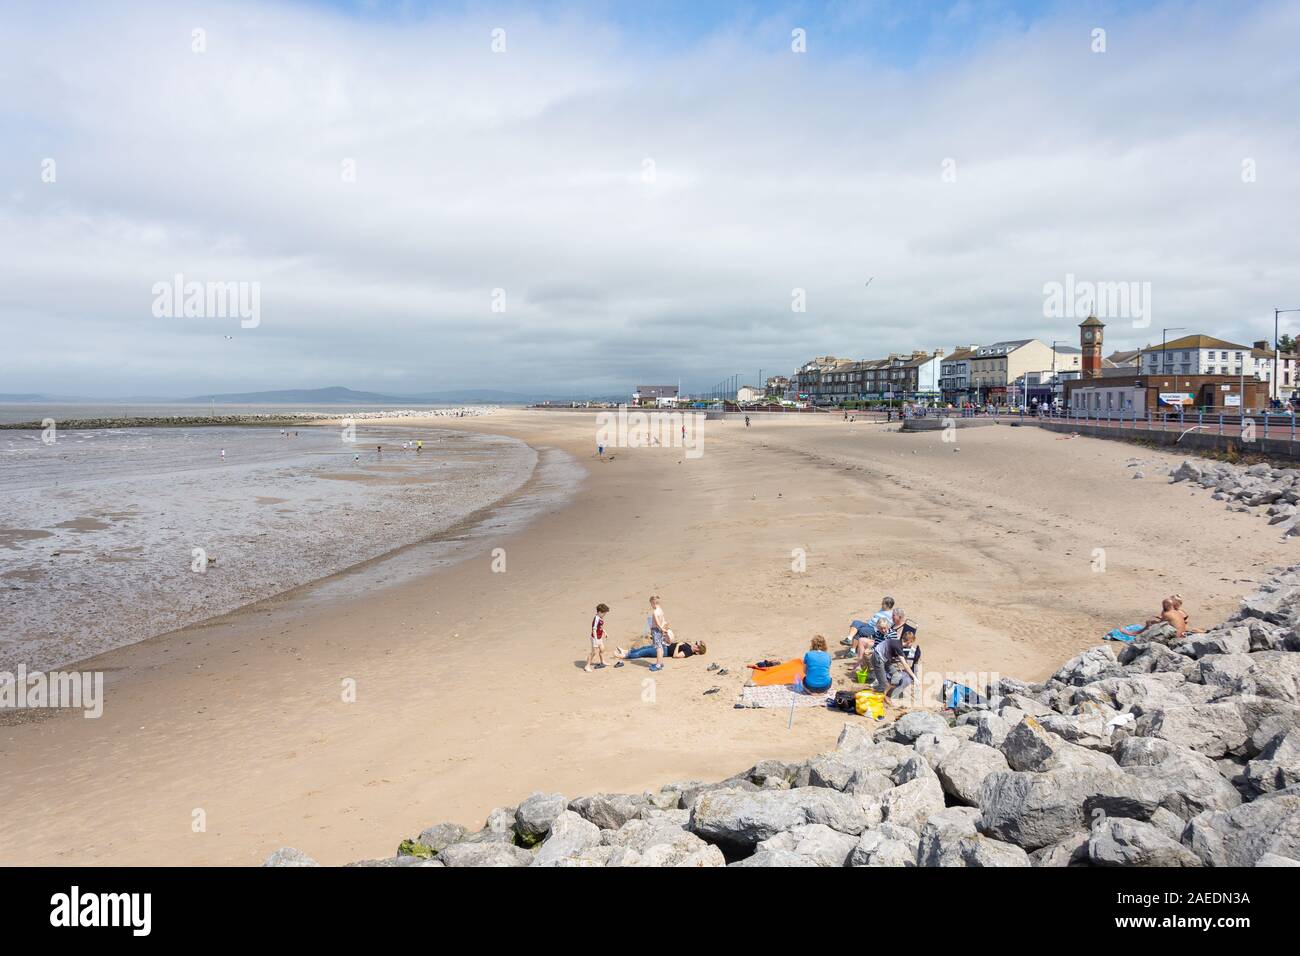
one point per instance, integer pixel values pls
(597, 652)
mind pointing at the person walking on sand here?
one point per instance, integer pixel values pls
(597, 651)
(660, 632)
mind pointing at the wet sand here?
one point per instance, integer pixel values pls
(99, 531)
(469, 684)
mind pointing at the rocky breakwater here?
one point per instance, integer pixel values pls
(264, 419)
(1163, 752)
(1261, 489)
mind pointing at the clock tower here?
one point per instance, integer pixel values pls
(1090, 336)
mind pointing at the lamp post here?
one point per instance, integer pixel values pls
(1164, 348)
(1277, 350)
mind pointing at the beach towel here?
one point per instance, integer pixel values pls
(781, 695)
(787, 672)
(1125, 633)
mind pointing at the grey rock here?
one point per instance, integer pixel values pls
(934, 747)
(911, 803)
(1210, 729)
(1272, 859)
(289, 856)
(569, 835)
(609, 811)
(441, 835)
(815, 842)
(1091, 665)
(885, 845)
(1242, 835)
(1120, 842)
(942, 831)
(1034, 810)
(484, 855)
(910, 726)
(534, 816)
(831, 770)
(963, 771)
(1188, 782)
(739, 820)
(1072, 850)
(990, 729)
(1278, 765)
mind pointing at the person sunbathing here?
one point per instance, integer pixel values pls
(678, 649)
(1171, 615)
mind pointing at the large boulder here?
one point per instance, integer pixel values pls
(1034, 810)
(817, 843)
(833, 770)
(499, 828)
(1240, 836)
(942, 831)
(1235, 640)
(1091, 665)
(1210, 729)
(1188, 782)
(1071, 850)
(918, 795)
(885, 845)
(609, 811)
(440, 836)
(934, 747)
(910, 726)
(990, 729)
(568, 836)
(534, 816)
(488, 854)
(1030, 746)
(1121, 842)
(289, 856)
(738, 820)
(963, 771)
(1278, 765)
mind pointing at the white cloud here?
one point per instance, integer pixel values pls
(524, 171)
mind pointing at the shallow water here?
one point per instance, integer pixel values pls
(99, 531)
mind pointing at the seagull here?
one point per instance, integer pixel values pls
(870, 280)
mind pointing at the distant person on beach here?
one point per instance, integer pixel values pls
(892, 653)
(817, 667)
(223, 454)
(597, 651)
(419, 446)
(660, 632)
(677, 649)
(746, 421)
(866, 630)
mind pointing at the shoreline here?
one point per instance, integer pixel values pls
(469, 682)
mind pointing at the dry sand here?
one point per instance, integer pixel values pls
(469, 683)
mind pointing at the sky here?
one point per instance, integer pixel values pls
(623, 194)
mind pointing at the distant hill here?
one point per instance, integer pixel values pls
(334, 395)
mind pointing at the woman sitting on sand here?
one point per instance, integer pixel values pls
(817, 667)
(676, 649)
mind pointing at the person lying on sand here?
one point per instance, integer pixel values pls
(1172, 616)
(678, 649)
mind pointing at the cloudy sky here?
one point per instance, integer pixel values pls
(619, 197)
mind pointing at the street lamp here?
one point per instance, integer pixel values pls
(1164, 348)
(1277, 351)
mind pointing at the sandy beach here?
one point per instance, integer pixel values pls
(470, 691)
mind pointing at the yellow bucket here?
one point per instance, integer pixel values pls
(869, 703)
